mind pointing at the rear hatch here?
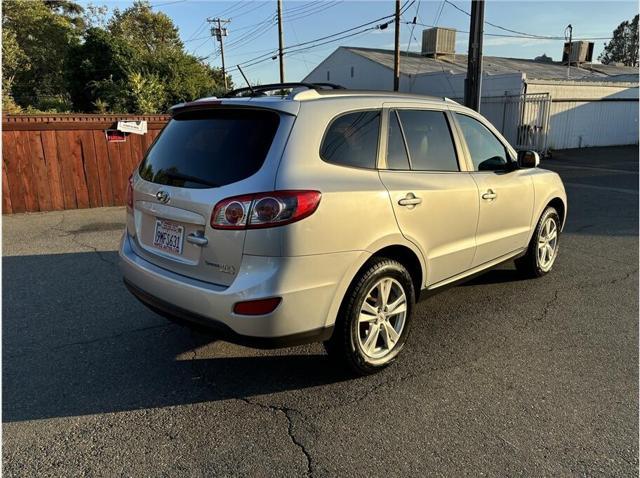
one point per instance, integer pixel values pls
(204, 155)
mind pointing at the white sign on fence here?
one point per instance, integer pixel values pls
(135, 127)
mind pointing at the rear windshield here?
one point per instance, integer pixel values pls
(206, 149)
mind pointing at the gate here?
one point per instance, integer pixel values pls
(522, 119)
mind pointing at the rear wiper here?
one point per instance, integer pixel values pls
(191, 179)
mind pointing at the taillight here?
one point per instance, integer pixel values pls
(130, 192)
(260, 210)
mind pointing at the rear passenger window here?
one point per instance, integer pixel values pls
(429, 140)
(352, 140)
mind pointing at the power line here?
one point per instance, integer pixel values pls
(167, 3)
(290, 51)
(439, 14)
(310, 44)
(321, 8)
(517, 36)
(523, 34)
(197, 30)
(413, 25)
(233, 8)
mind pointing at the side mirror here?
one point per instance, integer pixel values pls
(528, 159)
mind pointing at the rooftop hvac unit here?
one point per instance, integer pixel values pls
(577, 52)
(438, 41)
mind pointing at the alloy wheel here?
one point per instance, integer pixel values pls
(548, 244)
(382, 318)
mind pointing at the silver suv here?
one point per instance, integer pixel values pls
(316, 213)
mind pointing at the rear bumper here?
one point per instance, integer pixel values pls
(222, 330)
(308, 285)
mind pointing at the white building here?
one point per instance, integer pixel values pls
(537, 104)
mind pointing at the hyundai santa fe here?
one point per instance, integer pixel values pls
(298, 213)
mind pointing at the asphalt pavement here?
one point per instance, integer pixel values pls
(500, 377)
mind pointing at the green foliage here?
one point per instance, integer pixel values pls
(147, 93)
(13, 61)
(60, 56)
(44, 32)
(99, 68)
(144, 30)
(623, 47)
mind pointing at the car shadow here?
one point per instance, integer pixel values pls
(496, 276)
(75, 342)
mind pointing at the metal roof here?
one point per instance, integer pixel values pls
(413, 63)
(390, 95)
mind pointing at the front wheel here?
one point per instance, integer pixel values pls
(543, 248)
(373, 321)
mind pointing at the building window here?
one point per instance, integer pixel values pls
(328, 75)
(351, 72)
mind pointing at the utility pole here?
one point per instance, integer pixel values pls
(396, 54)
(473, 83)
(220, 32)
(280, 41)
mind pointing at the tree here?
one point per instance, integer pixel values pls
(99, 69)
(144, 30)
(60, 56)
(160, 52)
(42, 31)
(623, 47)
(147, 93)
(13, 61)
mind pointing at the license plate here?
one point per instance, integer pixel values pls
(168, 236)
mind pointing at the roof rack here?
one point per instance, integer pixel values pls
(261, 90)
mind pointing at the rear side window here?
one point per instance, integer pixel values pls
(429, 140)
(212, 148)
(352, 140)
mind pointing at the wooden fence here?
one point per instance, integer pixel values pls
(54, 162)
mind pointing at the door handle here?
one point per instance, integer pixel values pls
(197, 239)
(490, 195)
(410, 200)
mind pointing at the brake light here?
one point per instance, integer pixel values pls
(256, 307)
(130, 192)
(267, 209)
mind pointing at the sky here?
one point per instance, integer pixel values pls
(253, 34)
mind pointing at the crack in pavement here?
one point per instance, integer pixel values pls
(547, 306)
(610, 281)
(93, 341)
(74, 237)
(288, 414)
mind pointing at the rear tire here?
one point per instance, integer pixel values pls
(543, 247)
(374, 318)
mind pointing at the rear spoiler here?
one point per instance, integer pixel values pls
(279, 106)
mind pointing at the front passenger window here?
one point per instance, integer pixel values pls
(487, 152)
